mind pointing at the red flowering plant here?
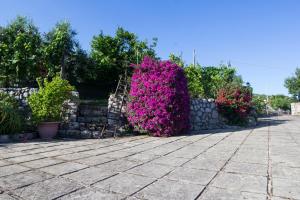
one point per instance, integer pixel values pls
(159, 99)
(234, 104)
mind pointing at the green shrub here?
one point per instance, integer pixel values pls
(194, 77)
(47, 103)
(10, 118)
(281, 102)
(259, 104)
(205, 82)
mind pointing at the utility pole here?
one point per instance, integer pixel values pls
(194, 58)
(181, 55)
(267, 107)
(137, 56)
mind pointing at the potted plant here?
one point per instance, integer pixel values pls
(47, 105)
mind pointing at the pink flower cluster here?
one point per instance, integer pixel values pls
(159, 99)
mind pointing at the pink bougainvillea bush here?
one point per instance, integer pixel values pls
(159, 99)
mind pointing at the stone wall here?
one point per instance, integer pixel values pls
(81, 119)
(114, 106)
(71, 109)
(21, 94)
(295, 108)
(86, 119)
(204, 115)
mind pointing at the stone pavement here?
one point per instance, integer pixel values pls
(260, 163)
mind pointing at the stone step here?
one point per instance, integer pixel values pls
(92, 113)
(75, 126)
(91, 126)
(92, 108)
(91, 119)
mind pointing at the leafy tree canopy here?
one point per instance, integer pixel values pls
(280, 102)
(59, 46)
(20, 53)
(177, 59)
(206, 81)
(25, 54)
(260, 103)
(113, 54)
(293, 84)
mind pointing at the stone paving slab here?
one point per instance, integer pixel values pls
(73, 156)
(247, 168)
(6, 197)
(168, 189)
(48, 189)
(260, 163)
(4, 162)
(63, 168)
(214, 193)
(170, 161)
(90, 175)
(287, 188)
(151, 170)
(11, 154)
(41, 163)
(206, 163)
(12, 169)
(143, 157)
(195, 176)
(124, 183)
(94, 160)
(283, 171)
(241, 182)
(92, 194)
(15, 181)
(119, 165)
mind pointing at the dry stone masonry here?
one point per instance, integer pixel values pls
(85, 119)
(114, 107)
(21, 94)
(204, 115)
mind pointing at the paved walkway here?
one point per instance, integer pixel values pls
(260, 163)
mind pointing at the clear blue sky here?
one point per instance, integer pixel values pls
(261, 38)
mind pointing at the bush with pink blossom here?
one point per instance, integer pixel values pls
(159, 99)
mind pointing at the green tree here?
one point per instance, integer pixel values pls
(20, 53)
(207, 81)
(280, 102)
(177, 59)
(215, 78)
(194, 77)
(259, 103)
(59, 46)
(80, 68)
(112, 55)
(293, 84)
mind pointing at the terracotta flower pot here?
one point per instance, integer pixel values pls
(48, 130)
